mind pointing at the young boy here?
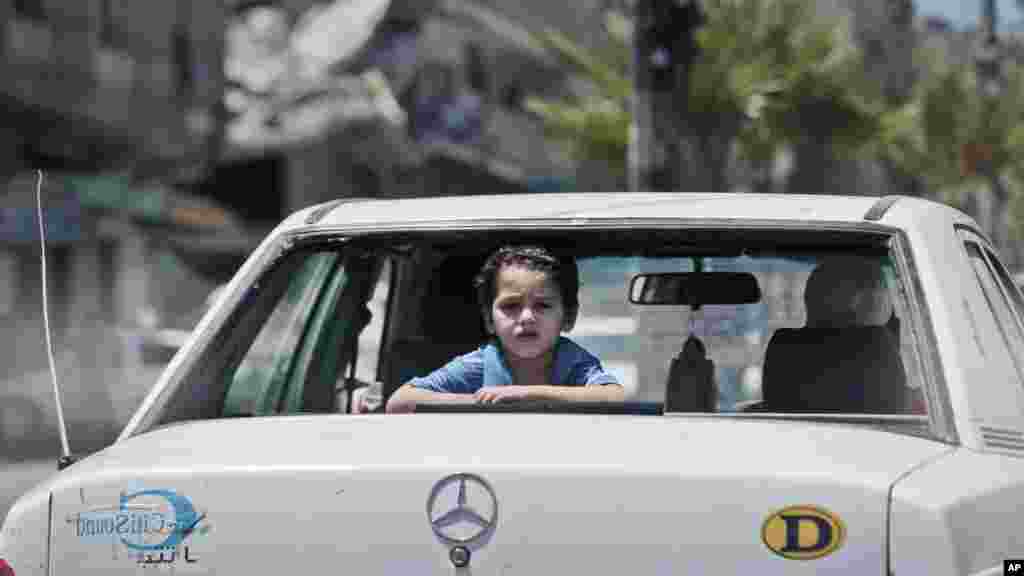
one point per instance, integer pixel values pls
(528, 296)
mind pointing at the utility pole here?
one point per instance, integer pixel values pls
(664, 49)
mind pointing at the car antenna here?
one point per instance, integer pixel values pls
(65, 459)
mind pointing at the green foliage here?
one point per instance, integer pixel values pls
(593, 127)
(928, 135)
(1012, 112)
(791, 75)
(772, 73)
(612, 82)
(955, 137)
(769, 73)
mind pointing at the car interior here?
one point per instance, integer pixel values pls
(804, 326)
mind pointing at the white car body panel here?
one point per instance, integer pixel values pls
(576, 494)
(959, 515)
(697, 506)
(965, 332)
(932, 243)
(579, 207)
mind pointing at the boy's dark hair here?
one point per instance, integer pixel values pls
(561, 268)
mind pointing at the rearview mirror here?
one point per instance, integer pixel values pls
(694, 288)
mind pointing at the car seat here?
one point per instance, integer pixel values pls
(452, 325)
(846, 359)
(855, 369)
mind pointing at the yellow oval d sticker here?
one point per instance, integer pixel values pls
(803, 532)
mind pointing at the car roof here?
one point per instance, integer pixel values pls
(399, 213)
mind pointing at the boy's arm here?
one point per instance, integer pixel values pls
(452, 383)
(592, 393)
(404, 399)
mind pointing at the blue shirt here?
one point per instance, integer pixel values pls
(486, 366)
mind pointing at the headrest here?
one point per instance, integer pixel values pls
(852, 369)
(847, 291)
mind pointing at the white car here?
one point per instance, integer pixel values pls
(870, 424)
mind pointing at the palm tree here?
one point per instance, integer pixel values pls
(595, 126)
(956, 139)
(769, 75)
(809, 75)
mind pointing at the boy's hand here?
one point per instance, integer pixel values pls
(495, 394)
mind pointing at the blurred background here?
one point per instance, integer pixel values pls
(174, 134)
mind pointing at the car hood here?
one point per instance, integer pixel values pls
(523, 494)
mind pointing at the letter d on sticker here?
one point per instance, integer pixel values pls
(803, 532)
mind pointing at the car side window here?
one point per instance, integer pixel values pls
(260, 379)
(1002, 313)
(1009, 287)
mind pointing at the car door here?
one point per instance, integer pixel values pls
(324, 373)
(261, 377)
(295, 361)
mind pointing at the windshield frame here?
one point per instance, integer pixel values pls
(940, 417)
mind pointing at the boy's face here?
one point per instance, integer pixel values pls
(527, 314)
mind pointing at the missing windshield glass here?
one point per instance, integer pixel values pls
(791, 322)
